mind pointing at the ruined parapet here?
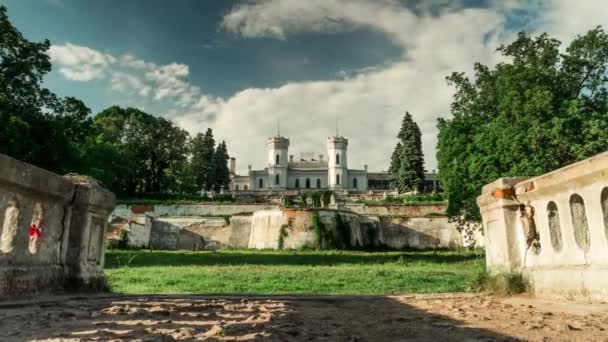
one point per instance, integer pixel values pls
(552, 228)
(52, 230)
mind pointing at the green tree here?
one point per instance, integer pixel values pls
(151, 150)
(407, 161)
(203, 150)
(538, 111)
(35, 125)
(221, 172)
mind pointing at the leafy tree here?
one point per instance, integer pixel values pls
(538, 111)
(35, 125)
(151, 150)
(407, 161)
(203, 150)
(221, 172)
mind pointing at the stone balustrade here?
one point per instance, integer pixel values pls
(53, 227)
(552, 228)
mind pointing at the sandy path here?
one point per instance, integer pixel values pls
(451, 317)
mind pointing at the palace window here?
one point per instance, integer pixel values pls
(337, 179)
(337, 159)
(297, 183)
(277, 159)
(236, 187)
(355, 183)
(318, 183)
(246, 188)
(261, 183)
(277, 179)
(307, 183)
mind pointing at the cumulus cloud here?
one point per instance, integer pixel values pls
(369, 103)
(80, 63)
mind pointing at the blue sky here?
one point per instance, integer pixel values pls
(240, 66)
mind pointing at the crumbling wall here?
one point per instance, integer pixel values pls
(552, 229)
(53, 230)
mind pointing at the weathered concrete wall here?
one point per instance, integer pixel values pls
(53, 230)
(418, 210)
(404, 232)
(569, 210)
(181, 210)
(199, 233)
(370, 226)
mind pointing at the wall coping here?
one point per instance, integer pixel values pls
(17, 174)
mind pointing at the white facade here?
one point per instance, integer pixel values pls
(283, 172)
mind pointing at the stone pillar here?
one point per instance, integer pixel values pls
(91, 206)
(500, 216)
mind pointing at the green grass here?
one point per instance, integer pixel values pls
(290, 272)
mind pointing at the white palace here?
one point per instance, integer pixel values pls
(284, 172)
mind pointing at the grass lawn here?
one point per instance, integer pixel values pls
(285, 272)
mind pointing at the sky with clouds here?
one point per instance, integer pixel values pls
(239, 67)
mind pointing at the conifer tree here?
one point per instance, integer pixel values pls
(203, 151)
(221, 172)
(407, 161)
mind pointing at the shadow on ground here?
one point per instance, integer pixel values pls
(168, 318)
(137, 258)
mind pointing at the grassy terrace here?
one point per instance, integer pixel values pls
(291, 272)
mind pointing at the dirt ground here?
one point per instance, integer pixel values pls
(451, 317)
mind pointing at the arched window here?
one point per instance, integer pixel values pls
(261, 183)
(277, 179)
(355, 183)
(236, 187)
(337, 179)
(337, 159)
(277, 159)
(297, 183)
(246, 188)
(579, 222)
(604, 198)
(555, 231)
(318, 183)
(307, 183)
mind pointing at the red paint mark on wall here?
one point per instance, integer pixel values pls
(503, 193)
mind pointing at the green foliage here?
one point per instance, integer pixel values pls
(432, 198)
(407, 160)
(203, 151)
(221, 172)
(292, 271)
(36, 126)
(283, 234)
(538, 111)
(129, 151)
(289, 201)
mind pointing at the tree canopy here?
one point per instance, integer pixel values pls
(130, 151)
(407, 160)
(538, 111)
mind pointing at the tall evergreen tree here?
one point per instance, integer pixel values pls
(203, 150)
(221, 172)
(407, 161)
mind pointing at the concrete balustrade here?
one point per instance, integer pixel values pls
(53, 230)
(569, 209)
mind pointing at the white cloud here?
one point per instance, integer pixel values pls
(369, 103)
(80, 63)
